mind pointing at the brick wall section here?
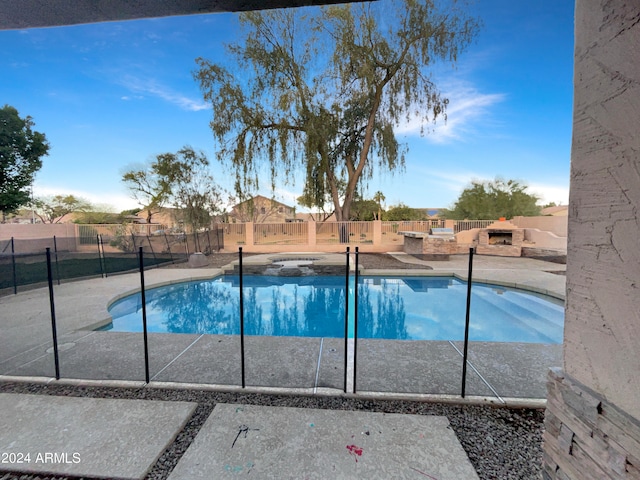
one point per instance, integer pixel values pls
(586, 437)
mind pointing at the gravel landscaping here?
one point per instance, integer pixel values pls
(501, 443)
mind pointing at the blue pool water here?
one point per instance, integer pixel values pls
(408, 308)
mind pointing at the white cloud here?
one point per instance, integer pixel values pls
(550, 193)
(467, 109)
(153, 88)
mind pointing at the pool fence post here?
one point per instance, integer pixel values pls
(52, 306)
(13, 264)
(241, 317)
(55, 250)
(209, 242)
(155, 260)
(168, 246)
(104, 257)
(133, 240)
(99, 256)
(466, 324)
(355, 323)
(346, 320)
(144, 317)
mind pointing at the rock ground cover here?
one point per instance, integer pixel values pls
(501, 443)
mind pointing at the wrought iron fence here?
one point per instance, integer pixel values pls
(344, 232)
(291, 233)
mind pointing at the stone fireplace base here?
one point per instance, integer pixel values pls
(586, 437)
(502, 239)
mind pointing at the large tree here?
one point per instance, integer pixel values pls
(21, 152)
(488, 200)
(322, 90)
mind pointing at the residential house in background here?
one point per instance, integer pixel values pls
(261, 209)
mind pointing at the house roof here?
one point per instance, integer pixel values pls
(262, 197)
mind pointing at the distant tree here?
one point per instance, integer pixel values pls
(321, 91)
(150, 185)
(379, 197)
(98, 217)
(402, 212)
(21, 152)
(363, 210)
(131, 211)
(194, 191)
(488, 200)
(54, 209)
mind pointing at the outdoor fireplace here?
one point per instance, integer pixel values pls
(501, 238)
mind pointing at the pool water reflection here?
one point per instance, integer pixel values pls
(405, 308)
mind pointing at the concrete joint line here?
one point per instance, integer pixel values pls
(315, 386)
(478, 373)
(177, 357)
(42, 345)
(44, 355)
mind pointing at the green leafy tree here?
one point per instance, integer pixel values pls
(402, 212)
(21, 152)
(322, 90)
(149, 184)
(54, 209)
(487, 200)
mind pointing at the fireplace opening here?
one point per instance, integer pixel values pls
(500, 238)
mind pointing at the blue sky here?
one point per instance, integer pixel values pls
(109, 96)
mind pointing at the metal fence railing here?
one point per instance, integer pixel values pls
(293, 233)
(461, 225)
(344, 232)
(234, 233)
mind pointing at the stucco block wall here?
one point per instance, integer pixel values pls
(593, 407)
(555, 225)
(602, 325)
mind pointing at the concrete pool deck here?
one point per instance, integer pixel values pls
(271, 441)
(313, 365)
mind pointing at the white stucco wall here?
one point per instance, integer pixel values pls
(602, 326)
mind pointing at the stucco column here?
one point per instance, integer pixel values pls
(377, 232)
(593, 413)
(311, 233)
(248, 233)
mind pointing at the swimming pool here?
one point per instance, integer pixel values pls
(405, 308)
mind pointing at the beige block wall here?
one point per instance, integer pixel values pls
(556, 225)
(602, 325)
(35, 238)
